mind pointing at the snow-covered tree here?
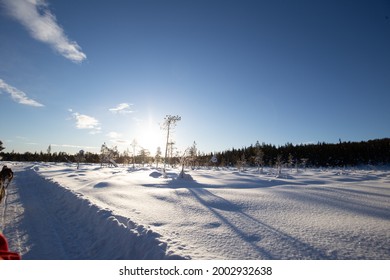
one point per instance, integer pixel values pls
(279, 163)
(80, 157)
(304, 162)
(290, 161)
(108, 155)
(126, 157)
(214, 159)
(192, 154)
(183, 161)
(259, 158)
(157, 157)
(241, 163)
(144, 154)
(168, 125)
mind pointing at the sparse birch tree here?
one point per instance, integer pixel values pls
(168, 125)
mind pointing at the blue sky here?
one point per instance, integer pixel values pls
(76, 74)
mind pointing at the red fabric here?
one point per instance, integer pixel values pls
(4, 251)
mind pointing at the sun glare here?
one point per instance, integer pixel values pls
(150, 137)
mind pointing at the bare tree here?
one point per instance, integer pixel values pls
(168, 125)
(134, 145)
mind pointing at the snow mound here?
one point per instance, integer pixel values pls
(101, 185)
(155, 174)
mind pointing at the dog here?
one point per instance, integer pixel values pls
(6, 175)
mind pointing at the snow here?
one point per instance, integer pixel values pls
(55, 211)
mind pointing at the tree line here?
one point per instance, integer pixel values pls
(375, 152)
(322, 154)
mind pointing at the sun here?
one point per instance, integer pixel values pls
(150, 136)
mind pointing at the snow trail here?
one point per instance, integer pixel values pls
(47, 221)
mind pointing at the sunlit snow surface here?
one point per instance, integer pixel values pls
(54, 211)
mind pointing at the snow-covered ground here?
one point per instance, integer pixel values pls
(54, 211)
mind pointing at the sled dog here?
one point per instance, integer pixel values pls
(6, 176)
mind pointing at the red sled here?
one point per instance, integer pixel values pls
(5, 254)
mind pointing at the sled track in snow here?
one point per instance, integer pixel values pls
(53, 214)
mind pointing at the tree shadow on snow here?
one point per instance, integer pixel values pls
(247, 181)
(218, 206)
(224, 210)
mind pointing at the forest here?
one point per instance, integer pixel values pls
(374, 152)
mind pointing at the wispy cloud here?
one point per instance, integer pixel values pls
(74, 146)
(86, 122)
(123, 108)
(116, 138)
(36, 17)
(18, 95)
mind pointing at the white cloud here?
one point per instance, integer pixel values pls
(122, 108)
(87, 122)
(114, 135)
(18, 95)
(116, 138)
(35, 16)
